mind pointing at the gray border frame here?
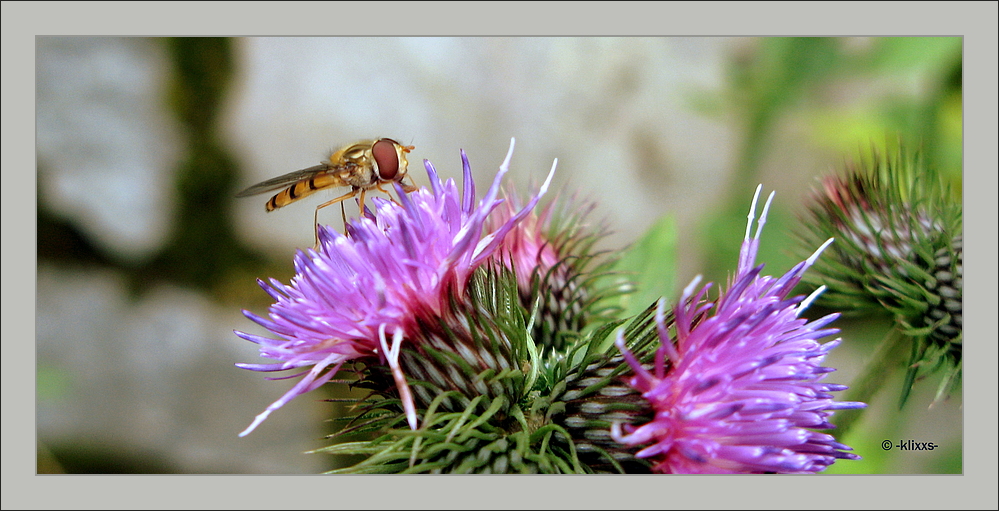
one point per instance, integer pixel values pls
(22, 21)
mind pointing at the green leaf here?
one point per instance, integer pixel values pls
(651, 263)
(725, 232)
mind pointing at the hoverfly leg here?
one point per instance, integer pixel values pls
(315, 225)
(405, 188)
(360, 204)
(408, 188)
(386, 192)
(341, 198)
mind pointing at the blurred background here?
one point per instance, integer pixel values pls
(145, 258)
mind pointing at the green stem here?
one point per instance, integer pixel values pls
(886, 359)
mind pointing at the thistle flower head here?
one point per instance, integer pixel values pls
(900, 252)
(551, 252)
(357, 296)
(528, 247)
(739, 391)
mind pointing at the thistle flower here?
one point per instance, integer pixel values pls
(484, 406)
(362, 294)
(485, 382)
(552, 255)
(901, 252)
(739, 391)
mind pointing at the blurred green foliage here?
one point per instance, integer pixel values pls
(852, 94)
(651, 264)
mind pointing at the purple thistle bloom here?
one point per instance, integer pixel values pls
(359, 289)
(737, 391)
(528, 249)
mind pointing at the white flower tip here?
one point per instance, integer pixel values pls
(616, 433)
(815, 255)
(381, 339)
(763, 215)
(548, 180)
(505, 166)
(811, 298)
(660, 310)
(411, 418)
(689, 290)
(619, 340)
(256, 422)
(392, 354)
(752, 210)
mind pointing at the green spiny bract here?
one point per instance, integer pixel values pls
(561, 277)
(490, 401)
(474, 374)
(899, 250)
(497, 377)
(487, 441)
(595, 396)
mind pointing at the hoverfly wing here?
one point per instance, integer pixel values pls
(285, 180)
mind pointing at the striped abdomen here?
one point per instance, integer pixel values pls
(303, 188)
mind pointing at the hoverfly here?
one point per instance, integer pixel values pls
(362, 166)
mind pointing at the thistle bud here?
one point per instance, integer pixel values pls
(898, 250)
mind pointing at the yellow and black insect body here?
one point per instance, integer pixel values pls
(362, 166)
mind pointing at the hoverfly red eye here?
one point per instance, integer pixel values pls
(386, 158)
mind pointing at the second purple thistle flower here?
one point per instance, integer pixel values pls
(739, 391)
